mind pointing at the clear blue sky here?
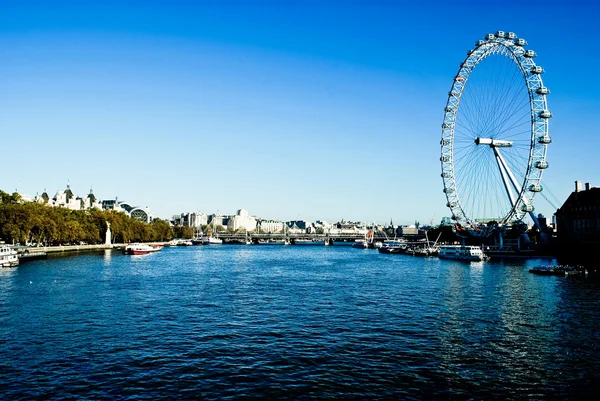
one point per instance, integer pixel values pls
(289, 109)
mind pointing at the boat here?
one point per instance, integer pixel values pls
(272, 242)
(393, 247)
(8, 257)
(423, 251)
(185, 242)
(197, 240)
(208, 239)
(461, 252)
(141, 249)
(360, 244)
(307, 242)
(552, 270)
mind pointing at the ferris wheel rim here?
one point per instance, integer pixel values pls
(507, 45)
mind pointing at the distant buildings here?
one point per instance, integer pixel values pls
(407, 230)
(67, 199)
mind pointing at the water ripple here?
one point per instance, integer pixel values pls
(298, 322)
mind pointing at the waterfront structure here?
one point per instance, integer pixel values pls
(578, 218)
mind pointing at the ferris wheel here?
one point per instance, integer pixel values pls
(495, 134)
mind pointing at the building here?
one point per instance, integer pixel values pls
(241, 221)
(68, 200)
(271, 226)
(579, 217)
(407, 230)
(135, 212)
(198, 220)
(195, 220)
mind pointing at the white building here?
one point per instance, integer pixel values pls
(271, 226)
(68, 200)
(197, 220)
(241, 220)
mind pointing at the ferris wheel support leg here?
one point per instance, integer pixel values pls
(505, 179)
(518, 189)
(513, 180)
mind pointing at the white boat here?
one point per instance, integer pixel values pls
(272, 242)
(209, 240)
(307, 242)
(8, 257)
(461, 252)
(360, 244)
(141, 249)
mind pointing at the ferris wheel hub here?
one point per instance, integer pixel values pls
(493, 143)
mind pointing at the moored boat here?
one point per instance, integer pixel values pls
(8, 257)
(393, 248)
(360, 244)
(209, 240)
(141, 249)
(552, 270)
(461, 252)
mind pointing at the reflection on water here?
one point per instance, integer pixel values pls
(107, 256)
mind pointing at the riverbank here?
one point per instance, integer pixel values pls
(67, 248)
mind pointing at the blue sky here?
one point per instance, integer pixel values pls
(312, 109)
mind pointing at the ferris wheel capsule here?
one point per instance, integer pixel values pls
(537, 70)
(527, 208)
(535, 188)
(520, 42)
(542, 90)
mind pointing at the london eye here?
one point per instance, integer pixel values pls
(495, 135)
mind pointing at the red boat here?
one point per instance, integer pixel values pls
(141, 249)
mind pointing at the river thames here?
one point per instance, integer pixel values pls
(295, 322)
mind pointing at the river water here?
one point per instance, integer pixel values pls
(295, 322)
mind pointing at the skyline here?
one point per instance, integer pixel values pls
(320, 110)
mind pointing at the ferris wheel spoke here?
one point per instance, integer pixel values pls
(508, 115)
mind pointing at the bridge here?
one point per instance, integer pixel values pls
(292, 238)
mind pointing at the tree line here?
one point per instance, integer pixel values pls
(35, 223)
